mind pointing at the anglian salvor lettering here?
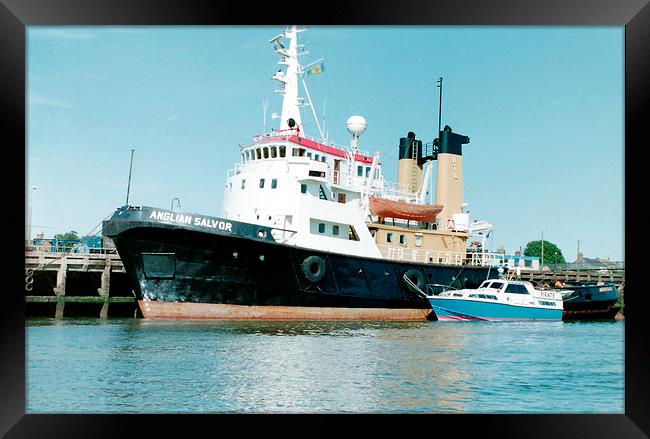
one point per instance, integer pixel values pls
(188, 219)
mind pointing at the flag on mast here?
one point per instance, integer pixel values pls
(318, 68)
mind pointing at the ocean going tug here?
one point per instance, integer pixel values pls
(309, 229)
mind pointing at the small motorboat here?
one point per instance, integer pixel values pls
(498, 299)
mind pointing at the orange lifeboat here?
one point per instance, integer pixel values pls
(403, 210)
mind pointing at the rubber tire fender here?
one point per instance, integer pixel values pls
(308, 265)
(417, 277)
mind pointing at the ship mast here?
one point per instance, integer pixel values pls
(289, 79)
(291, 102)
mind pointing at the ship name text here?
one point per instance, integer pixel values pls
(189, 219)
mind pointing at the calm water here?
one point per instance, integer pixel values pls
(138, 366)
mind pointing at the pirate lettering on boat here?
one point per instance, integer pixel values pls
(188, 219)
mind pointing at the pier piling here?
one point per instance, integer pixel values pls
(62, 285)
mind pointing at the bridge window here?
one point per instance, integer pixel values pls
(266, 152)
(418, 240)
(321, 227)
(303, 188)
(322, 159)
(360, 171)
(367, 171)
(283, 150)
(316, 157)
(335, 229)
(243, 183)
(274, 183)
(309, 154)
(258, 151)
(389, 237)
(274, 152)
(402, 239)
(261, 183)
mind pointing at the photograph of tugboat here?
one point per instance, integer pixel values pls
(311, 229)
(243, 261)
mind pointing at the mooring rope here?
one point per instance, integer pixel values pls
(412, 284)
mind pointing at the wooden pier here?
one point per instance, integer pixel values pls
(95, 284)
(92, 284)
(614, 276)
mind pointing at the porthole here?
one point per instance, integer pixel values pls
(261, 234)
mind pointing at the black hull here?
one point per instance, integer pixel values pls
(178, 264)
(591, 301)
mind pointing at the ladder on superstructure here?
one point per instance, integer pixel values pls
(414, 167)
(350, 156)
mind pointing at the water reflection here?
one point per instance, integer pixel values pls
(157, 366)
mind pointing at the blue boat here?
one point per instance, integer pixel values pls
(498, 300)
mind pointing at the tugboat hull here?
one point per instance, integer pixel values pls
(182, 269)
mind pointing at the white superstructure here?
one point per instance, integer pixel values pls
(313, 193)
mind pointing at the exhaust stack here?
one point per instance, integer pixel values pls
(409, 166)
(449, 175)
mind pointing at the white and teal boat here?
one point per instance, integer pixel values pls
(498, 299)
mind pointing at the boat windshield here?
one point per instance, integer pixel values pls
(496, 285)
(517, 289)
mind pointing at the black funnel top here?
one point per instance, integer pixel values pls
(451, 143)
(406, 145)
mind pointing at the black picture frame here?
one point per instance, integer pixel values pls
(16, 15)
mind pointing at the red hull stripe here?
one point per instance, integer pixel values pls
(186, 310)
(468, 318)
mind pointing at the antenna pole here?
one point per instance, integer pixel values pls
(440, 104)
(324, 106)
(322, 136)
(265, 105)
(128, 188)
(542, 250)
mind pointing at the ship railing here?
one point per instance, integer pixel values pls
(285, 136)
(423, 256)
(73, 250)
(234, 171)
(397, 191)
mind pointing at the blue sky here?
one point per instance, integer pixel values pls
(543, 107)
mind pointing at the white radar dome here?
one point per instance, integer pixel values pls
(356, 125)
